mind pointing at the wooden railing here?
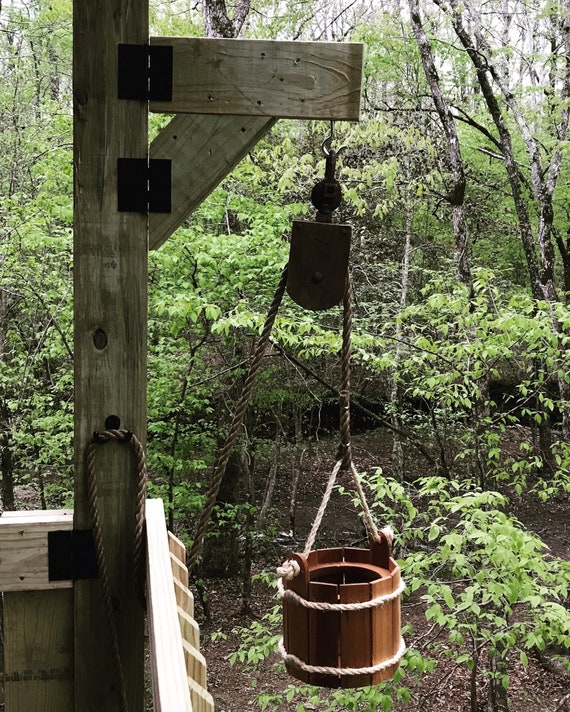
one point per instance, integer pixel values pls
(178, 669)
(38, 618)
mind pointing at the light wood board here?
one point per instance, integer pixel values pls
(303, 80)
(24, 548)
(203, 150)
(38, 651)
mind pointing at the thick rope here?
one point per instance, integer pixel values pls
(377, 602)
(344, 454)
(236, 425)
(328, 670)
(121, 436)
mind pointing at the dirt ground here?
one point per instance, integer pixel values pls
(537, 687)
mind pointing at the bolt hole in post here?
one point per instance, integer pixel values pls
(100, 339)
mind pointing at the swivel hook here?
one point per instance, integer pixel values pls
(326, 145)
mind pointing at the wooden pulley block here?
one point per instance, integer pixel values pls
(318, 263)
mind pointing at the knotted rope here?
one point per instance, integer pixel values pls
(236, 424)
(121, 436)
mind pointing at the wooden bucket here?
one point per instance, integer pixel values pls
(363, 643)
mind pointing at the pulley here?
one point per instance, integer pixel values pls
(319, 251)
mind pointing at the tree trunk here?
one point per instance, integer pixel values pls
(456, 193)
(538, 246)
(272, 477)
(398, 463)
(247, 465)
(217, 22)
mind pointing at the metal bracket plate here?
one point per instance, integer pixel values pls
(145, 72)
(71, 555)
(144, 186)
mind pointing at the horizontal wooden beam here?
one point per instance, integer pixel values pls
(24, 548)
(298, 80)
(202, 149)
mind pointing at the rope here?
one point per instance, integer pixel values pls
(121, 436)
(344, 453)
(236, 424)
(377, 602)
(321, 512)
(328, 670)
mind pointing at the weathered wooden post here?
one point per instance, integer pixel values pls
(110, 282)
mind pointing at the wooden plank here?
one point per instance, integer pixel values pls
(203, 150)
(168, 668)
(110, 319)
(195, 663)
(38, 651)
(324, 630)
(296, 621)
(24, 548)
(184, 597)
(189, 628)
(176, 547)
(27, 515)
(383, 633)
(297, 80)
(202, 700)
(355, 629)
(179, 570)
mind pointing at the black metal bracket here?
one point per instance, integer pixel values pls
(72, 555)
(144, 186)
(145, 72)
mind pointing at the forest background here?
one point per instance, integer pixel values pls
(456, 184)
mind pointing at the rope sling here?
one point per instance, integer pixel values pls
(326, 197)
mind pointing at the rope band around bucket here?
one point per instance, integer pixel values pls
(296, 662)
(338, 607)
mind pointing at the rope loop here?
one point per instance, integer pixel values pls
(126, 437)
(288, 570)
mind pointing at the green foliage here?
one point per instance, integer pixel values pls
(489, 585)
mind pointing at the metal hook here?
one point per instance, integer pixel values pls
(326, 145)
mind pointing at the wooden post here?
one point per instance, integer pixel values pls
(110, 283)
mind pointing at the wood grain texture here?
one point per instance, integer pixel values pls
(202, 700)
(168, 666)
(110, 297)
(203, 150)
(24, 549)
(38, 651)
(303, 80)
